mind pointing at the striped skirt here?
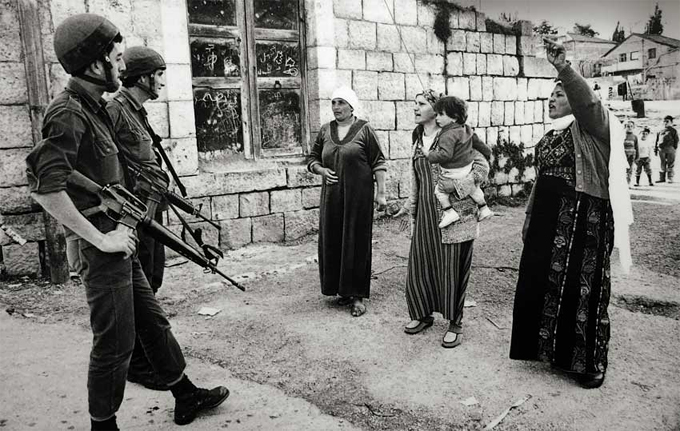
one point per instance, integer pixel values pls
(560, 312)
(438, 274)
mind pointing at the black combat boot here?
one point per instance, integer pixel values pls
(662, 177)
(107, 425)
(189, 400)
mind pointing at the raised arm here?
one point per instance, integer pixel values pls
(586, 107)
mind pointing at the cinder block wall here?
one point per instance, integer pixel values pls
(349, 42)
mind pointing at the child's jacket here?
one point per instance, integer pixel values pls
(455, 147)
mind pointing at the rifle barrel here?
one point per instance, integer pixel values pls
(172, 241)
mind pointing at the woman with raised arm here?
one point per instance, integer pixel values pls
(347, 155)
(579, 209)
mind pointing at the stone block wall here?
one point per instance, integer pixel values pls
(386, 51)
(15, 143)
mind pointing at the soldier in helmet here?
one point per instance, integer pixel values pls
(143, 79)
(78, 135)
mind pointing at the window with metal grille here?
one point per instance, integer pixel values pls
(248, 73)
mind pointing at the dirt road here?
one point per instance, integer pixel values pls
(296, 361)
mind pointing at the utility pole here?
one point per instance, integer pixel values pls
(38, 98)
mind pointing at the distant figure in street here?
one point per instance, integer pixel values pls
(644, 160)
(579, 209)
(630, 146)
(666, 144)
(454, 155)
(347, 155)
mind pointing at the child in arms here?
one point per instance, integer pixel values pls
(454, 153)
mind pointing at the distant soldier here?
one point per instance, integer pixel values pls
(666, 144)
(78, 135)
(143, 79)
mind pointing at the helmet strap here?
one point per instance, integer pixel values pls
(108, 83)
(149, 89)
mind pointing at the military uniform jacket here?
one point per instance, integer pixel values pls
(77, 135)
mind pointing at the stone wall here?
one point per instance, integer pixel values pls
(15, 143)
(495, 70)
(349, 42)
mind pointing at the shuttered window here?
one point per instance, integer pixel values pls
(248, 73)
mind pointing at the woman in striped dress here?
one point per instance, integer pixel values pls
(440, 259)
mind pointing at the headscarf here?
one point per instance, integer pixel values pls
(348, 95)
(619, 196)
(431, 96)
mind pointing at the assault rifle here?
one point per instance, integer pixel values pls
(123, 207)
(152, 186)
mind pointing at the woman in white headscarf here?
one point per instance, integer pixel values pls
(347, 155)
(578, 211)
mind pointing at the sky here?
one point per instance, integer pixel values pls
(601, 14)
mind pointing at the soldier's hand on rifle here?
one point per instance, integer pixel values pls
(120, 240)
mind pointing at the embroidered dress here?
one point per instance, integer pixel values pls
(560, 312)
(346, 210)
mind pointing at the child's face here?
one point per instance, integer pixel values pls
(630, 127)
(443, 119)
(644, 134)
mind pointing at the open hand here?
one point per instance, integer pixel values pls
(329, 176)
(120, 240)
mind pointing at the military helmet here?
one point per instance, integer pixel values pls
(140, 60)
(81, 39)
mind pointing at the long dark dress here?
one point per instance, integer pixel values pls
(346, 212)
(560, 312)
(438, 273)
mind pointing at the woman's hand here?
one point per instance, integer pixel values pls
(381, 200)
(525, 228)
(328, 175)
(557, 55)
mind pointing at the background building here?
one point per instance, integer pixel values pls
(649, 63)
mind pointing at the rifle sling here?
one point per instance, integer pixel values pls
(157, 145)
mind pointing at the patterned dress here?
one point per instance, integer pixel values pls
(346, 210)
(440, 260)
(560, 312)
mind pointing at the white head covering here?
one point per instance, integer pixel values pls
(348, 95)
(619, 196)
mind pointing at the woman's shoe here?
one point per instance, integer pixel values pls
(448, 342)
(358, 307)
(591, 380)
(344, 300)
(423, 324)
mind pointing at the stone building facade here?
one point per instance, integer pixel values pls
(386, 51)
